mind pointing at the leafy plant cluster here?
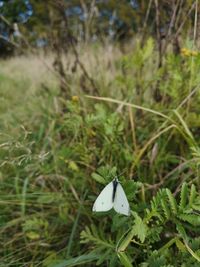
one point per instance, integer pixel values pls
(164, 227)
(55, 153)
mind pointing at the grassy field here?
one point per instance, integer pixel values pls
(57, 153)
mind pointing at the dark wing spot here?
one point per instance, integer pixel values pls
(122, 205)
(102, 203)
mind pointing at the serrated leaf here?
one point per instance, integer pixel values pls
(183, 196)
(196, 204)
(172, 201)
(165, 208)
(192, 195)
(190, 218)
(139, 228)
(196, 207)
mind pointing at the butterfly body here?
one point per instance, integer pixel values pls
(112, 196)
(115, 184)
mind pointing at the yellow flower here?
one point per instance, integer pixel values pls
(75, 98)
(194, 53)
(188, 53)
(185, 52)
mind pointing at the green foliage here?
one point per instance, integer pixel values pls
(158, 227)
(139, 228)
(56, 154)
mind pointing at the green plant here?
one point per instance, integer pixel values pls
(167, 227)
(57, 154)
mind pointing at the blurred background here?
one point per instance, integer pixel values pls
(52, 25)
(90, 89)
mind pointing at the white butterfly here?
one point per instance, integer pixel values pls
(112, 196)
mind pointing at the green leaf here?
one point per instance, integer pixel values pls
(172, 201)
(98, 178)
(187, 130)
(168, 244)
(48, 198)
(83, 259)
(180, 246)
(194, 255)
(165, 208)
(192, 195)
(190, 218)
(184, 193)
(148, 49)
(126, 241)
(196, 203)
(125, 261)
(104, 256)
(181, 231)
(140, 228)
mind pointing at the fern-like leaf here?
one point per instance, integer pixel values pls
(91, 235)
(165, 208)
(192, 195)
(183, 196)
(181, 231)
(139, 228)
(193, 219)
(172, 202)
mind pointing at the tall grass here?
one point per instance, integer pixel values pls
(57, 153)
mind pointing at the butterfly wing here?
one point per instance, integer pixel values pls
(104, 200)
(121, 204)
